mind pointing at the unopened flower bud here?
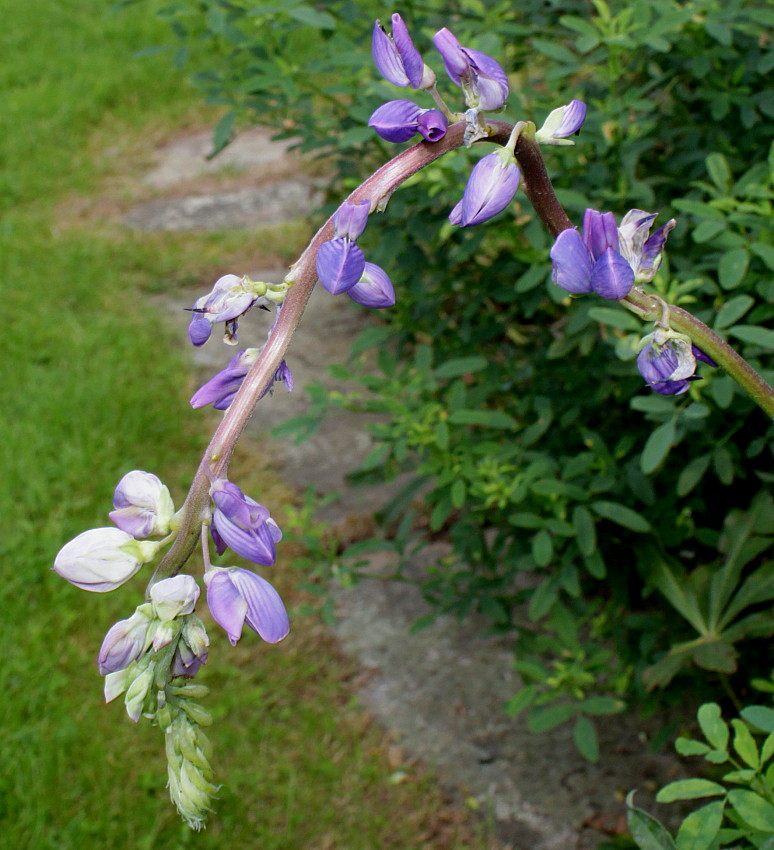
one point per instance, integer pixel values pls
(482, 79)
(102, 559)
(491, 187)
(143, 506)
(126, 641)
(562, 122)
(374, 289)
(174, 597)
(138, 691)
(395, 56)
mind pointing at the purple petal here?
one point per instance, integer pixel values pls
(266, 613)
(226, 604)
(199, 330)
(350, 220)
(432, 125)
(671, 387)
(700, 355)
(489, 78)
(455, 216)
(374, 289)
(599, 232)
(396, 120)
(455, 61)
(411, 59)
(657, 364)
(611, 276)
(491, 187)
(340, 265)
(571, 263)
(572, 119)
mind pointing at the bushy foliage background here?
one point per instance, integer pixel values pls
(633, 529)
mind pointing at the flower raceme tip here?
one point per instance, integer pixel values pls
(237, 596)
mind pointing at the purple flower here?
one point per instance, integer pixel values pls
(484, 82)
(374, 289)
(667, 362)
(642, 251)
(562, 122)
(142, 505)
(350, 220)
(395, 56)
(238, 596)
(240, 523)
(607, 259)
(340, 265)
(220, 390)
(399, 120)
(490, 188)
(174, 597)
(230, 298)
(126, 641)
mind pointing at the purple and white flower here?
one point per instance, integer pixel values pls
(231, 297)
(400, 120)
(126, 641)
(340, 262)
(242, 525)
(174, 597)
(192, 648)
(562, 122)
(395, 56)
(491, 187)
(220, 390)
(482, 79)
(143, 506)
(606, 259)
(237, 596)
(667, 361)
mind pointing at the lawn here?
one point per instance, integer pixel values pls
(93, 386)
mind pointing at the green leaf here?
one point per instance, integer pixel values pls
(601, 705)
(699, 829)
(645, 829)
(698, 209)
(732, 267)
(584, 734)
(760, 716)
(585, 533)
(689, 747)
(621, 515)
(546, 717)
(223, 133)
(762, 249)
(311, 17)
(522, 699)
(689, 789)
(657, 447)
(719, 171)
(458, 493)
(724, 465)
(554, 51)
(715, 655)
(714, 728)
(621, 319)
(733, 310)
(744, 744)
(487, 418)
(692, 474)
(542, 548)
(753, 809)
(461, 366)
(753, 334)
(542, 600)
(707, 230)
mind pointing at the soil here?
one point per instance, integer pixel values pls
(440, 691)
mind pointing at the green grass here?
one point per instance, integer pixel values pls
(93, 386)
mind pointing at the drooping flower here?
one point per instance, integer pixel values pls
(482, 79)
(490, 188)
(143, 506)
(237, 596)
(395, 56)
(374, 289)
(242, 525)
(608, 260)
(231, 297)
(667, 362)
(400, 120)
(562, 122)
(340, 262)
(102, 559)
(126, 641)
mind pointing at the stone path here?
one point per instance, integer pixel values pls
(442, 690)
